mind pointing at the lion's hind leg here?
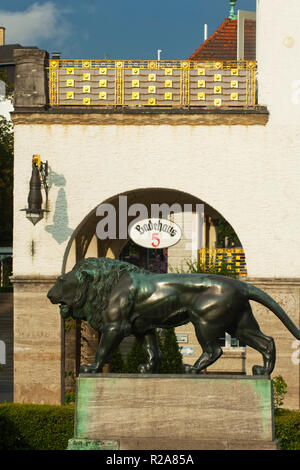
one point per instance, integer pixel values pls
(207, 318)
(248, 331)
(211, 352)
(209, 341)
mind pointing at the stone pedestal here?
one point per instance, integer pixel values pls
(173, 412)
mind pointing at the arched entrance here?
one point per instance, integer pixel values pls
(204, 233)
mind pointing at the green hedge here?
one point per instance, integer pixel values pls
(287, 429)
(6, 289)
(35, 427)
(49, 427)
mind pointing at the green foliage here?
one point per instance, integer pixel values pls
(69, 324)
(69, 397)
(69, 393)
(209, 267)
(6, 181)
(287, 422)
(136, 355)
(224, 230)
(7, 272)
(35, 427)
(117, 363)
(279, 391)
(6, 289)
(171, 355)
(287, 429)
(49, 427)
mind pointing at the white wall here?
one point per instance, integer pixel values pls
(241, 171)
(278, 39)
(6, 108)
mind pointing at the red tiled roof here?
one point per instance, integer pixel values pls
(222, 44)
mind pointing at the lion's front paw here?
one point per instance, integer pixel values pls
(188, 369)
(152, 367)
(89, 369)
(143, 369)
(259, 370)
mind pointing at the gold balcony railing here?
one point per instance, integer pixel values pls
(231, 259)
(137, 83)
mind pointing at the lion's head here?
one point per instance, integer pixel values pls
(68, 291)
(83, 293)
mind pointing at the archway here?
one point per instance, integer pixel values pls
(205, 231)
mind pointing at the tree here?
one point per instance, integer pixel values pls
(6, 181)
(279, 391)
(136, 356)
(224, 230)
(171, 355)
(117, 364)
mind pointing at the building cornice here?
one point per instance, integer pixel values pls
(273, 282)
(142, 116)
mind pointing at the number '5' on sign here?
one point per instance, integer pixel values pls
(156, 240)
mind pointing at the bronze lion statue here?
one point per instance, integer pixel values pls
(119, 299)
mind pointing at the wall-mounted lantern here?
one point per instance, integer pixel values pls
(34, 211)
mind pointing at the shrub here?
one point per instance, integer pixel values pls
(279, 391)
(35, 427)
(117, 364)
(6, 289)
(136, 355)
(209, 267)
(69, 397)
(287, 429)
(172, 358)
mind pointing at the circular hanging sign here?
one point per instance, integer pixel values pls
(155, 233)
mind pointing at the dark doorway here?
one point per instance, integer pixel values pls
(155, 261)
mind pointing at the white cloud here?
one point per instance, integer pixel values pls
(39, 22)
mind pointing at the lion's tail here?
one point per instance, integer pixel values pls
(263, 298)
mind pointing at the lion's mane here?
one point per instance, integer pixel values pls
(97, 277)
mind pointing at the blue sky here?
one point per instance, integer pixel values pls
(114, 29)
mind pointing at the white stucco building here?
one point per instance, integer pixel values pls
(6, 106)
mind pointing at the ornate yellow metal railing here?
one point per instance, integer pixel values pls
(232, 259)
(139, 83)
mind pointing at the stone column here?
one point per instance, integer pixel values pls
(30, 78)
(285, 291)
(38, 342)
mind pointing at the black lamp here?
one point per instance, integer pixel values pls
(34, 211)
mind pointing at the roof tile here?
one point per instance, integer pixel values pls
(222, 44)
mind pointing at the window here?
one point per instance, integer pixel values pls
(229, 342)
